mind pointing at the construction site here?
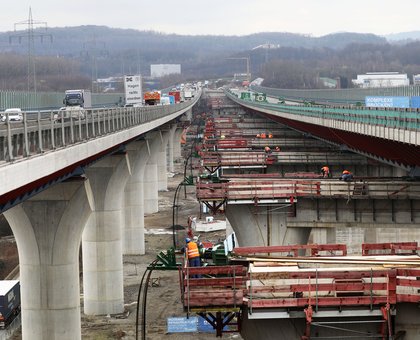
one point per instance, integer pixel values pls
(313, 255)
(288, 249)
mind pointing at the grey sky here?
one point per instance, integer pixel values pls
(222, 17)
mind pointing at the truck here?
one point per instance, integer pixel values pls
(188, 94)
(151, 98)
(9, 301)
(76, 102)
(177, 96)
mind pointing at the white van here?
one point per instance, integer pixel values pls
(15, 114)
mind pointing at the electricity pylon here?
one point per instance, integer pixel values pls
(34, 29)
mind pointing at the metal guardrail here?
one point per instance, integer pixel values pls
(345, 96)
(48, 130)
(408, 119)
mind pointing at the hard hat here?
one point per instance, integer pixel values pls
(195, 238)
(187, 240)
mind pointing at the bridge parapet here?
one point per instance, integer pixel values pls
(46, 131)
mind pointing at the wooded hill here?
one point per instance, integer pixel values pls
(77, 54)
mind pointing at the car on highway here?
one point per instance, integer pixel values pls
(15, 114)
(67, 112)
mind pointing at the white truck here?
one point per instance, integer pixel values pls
(76, 102)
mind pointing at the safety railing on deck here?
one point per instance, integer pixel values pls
(256, 189)
(388, 117)
(48, 130)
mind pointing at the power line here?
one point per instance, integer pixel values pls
(34, 29)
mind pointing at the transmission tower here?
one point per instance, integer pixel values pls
(34, 29)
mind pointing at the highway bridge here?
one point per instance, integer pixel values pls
(82, 179)
(279, 198)
(60, 179)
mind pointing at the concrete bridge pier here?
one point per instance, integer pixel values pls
(133, 238)
(102, 243)
(48, 229)
(264, 226)
(150, 178)
(162, 161)
(177, 143)
(171, 147)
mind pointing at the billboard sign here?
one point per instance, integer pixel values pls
(387, 101)
(133, 90)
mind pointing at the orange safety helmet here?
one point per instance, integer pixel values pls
(346, 172)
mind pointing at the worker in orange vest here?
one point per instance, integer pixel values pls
(325, 171)
(193, 255)
(346, 176)
(263, 135)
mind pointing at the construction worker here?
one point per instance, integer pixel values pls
(199, 245)
(263, 135)
(277, 149)
(270, 135)
(258, 135)
(193, 255)
(346, 176)
(267, 150)
(325, 171)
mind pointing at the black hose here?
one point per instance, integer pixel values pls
(174, 206)
(138, 298)
(145, 302)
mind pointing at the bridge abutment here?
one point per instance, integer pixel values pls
(48, 229)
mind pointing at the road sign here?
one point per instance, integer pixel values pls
(133, 90)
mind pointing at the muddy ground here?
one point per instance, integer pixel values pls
(163, 299)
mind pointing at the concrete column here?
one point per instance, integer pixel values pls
(162, 162)
(133, 238)
(171, 148)
(102, 244)
(259, 226)
(150, 178)
(177, 143)
(48, 229)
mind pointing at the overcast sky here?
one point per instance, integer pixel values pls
(221, 17)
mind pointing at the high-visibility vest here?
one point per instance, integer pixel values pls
(192, 250)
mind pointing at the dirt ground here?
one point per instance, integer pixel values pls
(163, 300)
